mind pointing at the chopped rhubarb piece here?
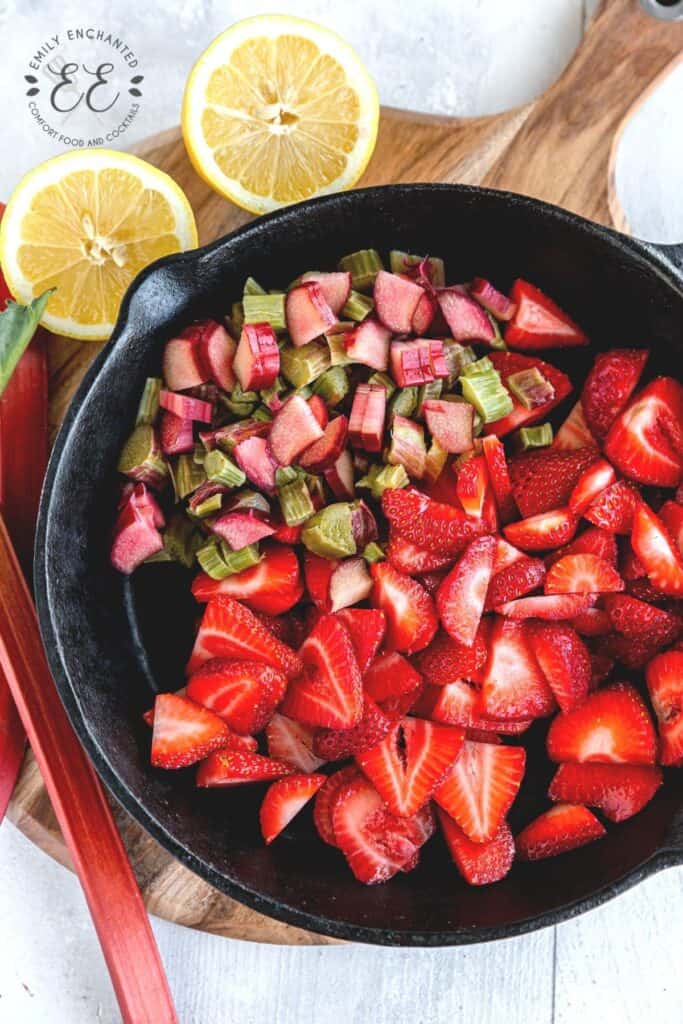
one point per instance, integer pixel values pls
(437, 358)
(396, 301)
(491, 299)
(136, 538)
(293, 430)
(186, 408)
(424, 314)
(228, 437)
(175, 434)
(451, 423)
(339, 477)
(410, 362)
(538, 322)
(368, 412)
(466, 319)
(308, 313)
(368, 343)
(350, 583)
(319, 410)
(512, 362)
(257, 362)
(182, 364)
(324, 453)
(407, 446)
(240, 529)
(217, 353)
(335, 287)
(363, 525)
(255, 459)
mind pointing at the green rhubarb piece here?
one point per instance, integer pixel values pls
(383, 379)
(479, 367)
(301, 366)
(187, 476)
(252, 287)
(261, 414)
(482, 387)
(431, 390)
(329, 533)
(240, 403)
(238, 561)
(210, 558)
(435, 462)
(457, 357)
(249, 499)
(222, 470)
(497, 340)
(535, 437)
(265, 309)
(364, 266)
(149, 402)
(337, 350)
(273, 392)
(237, 317)
(372, 552)
(332, 386)
(17, 326)
(357, 307)
(403, 402)
(182, 540)
(379, 479)
(199, 453)
(141, 458)
(229, 436)
(286, 475)
(209, 506)
(407, 448)
(295, 502)
(530, 387)
(400, 262)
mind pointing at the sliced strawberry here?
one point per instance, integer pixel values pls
(657, 551)
(183, 732)
(574, 432)
(514, 686)
(593, 541)
(338, 744)
(291, 741)
(494, 453)
(564, 660)
(273, 586)
(508, 363)
(518, 579)
(410, 762)
(612, 726)
(543, 479)
(664, 676)
(390, 675)
(506, 555)
(431, 525)
(618, 790)
(323, 453)
(318, 575)
(460, 598)
(538, 322)
(366, 627)
(284, 800)
(431, 581)
(543, 531)
(447, 659)
(645, 442)
(631, 652)
(582, 574)
(592, 622)
(235, 767)
(411, 560)
(601, 668)
(307, 313)
(609, 385)
(590, 485)
(229, 630)
(479, 863)
(410, 613)
(375, 842)
(331, 694)
(638, 620)
(550, 607)
(325, 798)
(287, 628)
(563, 828)
(460, 703)
(243, 693)
(471, 485)
(481, 787)
(671, 514)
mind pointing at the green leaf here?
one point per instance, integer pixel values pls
(17, 326)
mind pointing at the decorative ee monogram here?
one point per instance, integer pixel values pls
(94, 96)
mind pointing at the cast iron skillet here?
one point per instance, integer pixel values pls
(112, 644)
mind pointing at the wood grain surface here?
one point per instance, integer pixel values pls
(559, 148)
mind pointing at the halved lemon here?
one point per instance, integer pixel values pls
(86, 223)
(279, 109)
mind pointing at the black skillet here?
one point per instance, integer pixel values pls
(111, 644)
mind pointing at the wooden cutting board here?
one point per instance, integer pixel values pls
(560, 148)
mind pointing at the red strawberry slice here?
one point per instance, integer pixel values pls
(284, 800)
(550, 607)
(431, 581)
(183, 732)
(618, 790)
(508, 363)
(657, 551)
(564, 660)
(632, 653)
(338, 744)
(460, 598)
(494, 453)
(330, 694)
(409, 610)
(543, 531)
(325, 799)
(235, 767)
(318, 573)
(590, 485)
(291, 741)
(609, 385)
(518, 579)
(602, 666)
(641, 621)
(671, 514)
(644, 591)
(563, 828)
(664, 676)
(375, 842)
(446, 659)
(506, 555)
(288, 628)
(460, 703)
(243, 693)
(432, 525)
(574, 432)
(412, 560)
(582, 574)
(391, 675)
(410, 762)
(613, 509)
(612, 726)
(593, 541)
(366, 627)
(514, 686)
(471, 485)
(538, 322)
(481, 787)
(229, 630)
(479, 863)
(544, 479)
(273, 586)
(592, 622)
(645, 442)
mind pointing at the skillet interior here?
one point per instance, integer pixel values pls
(110, 645)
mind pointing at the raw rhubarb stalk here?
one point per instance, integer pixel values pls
(255, 458)
(363, 266)
(368, 343)
(339, 477)
(217, 353)
(265, 309)
(301, 366)
(335, 286)
(185, 407)
(368, 412)
(492, 300)
(308, 314)
(141, 458)
(396, 301)
(450, 423)
(257, 362)
(407, 447)
(357, 306)
(411, 361)
(466, 319)
(81, 808)
(293, 430)
(332, 386)
(240, 529)
(182, 364)
(430, 268)
(425, 312)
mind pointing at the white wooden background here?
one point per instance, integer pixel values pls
(620, 964)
